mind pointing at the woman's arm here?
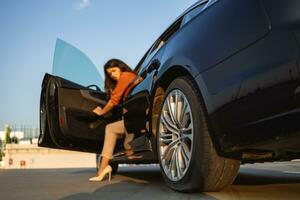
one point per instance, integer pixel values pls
(101, 111)
(117, 93)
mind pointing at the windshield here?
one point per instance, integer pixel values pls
(71, 64)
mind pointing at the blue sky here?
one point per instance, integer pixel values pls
(102, 29)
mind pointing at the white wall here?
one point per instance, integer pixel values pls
(18, 134)
(39, 157)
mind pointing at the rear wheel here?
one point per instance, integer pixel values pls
(186, 154)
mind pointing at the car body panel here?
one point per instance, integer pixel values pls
(268, 73)
(283, 16)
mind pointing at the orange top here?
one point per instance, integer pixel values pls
(125, 79)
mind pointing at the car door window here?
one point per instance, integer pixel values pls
(153, 52)
(159, 44)
(141, 62)
(193, 13)
(71, 64)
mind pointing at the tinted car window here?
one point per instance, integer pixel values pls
(153, 51)
(167, 35)
(139, 65)
(194, 12)
(70, 63)
(161, 41)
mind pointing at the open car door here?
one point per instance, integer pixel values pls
(68, 98)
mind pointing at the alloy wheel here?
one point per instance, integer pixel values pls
(175, 135)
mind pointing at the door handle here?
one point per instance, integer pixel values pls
(153, 66)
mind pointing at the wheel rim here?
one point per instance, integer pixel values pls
(176, 133)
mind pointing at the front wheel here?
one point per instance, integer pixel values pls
(185, 151)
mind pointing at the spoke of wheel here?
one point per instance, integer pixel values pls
(178, 169)
(187, 133)
(183, 112)
(186, 117)
(169, 121)
(184, 157)
(166, 134)
(165, 138)
(186, 152)
(168, 156)
(176, 107)
(170, 109)
(170, 146)
(170, 165)
(180, 107)
(168, 124)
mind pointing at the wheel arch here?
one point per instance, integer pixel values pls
(159, 89)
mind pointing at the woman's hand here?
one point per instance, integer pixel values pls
(137, 81)
(98, 111)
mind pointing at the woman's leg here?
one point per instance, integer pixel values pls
(128, 138)
(128, 148)
(112, 131)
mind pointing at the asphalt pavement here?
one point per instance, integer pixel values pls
(255, 181)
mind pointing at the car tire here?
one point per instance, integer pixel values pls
(187, 156)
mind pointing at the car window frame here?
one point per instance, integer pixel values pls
(157, 45)
(140, 63)
(203, 5)
(178, 22)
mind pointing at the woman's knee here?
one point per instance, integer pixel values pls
(115, 127)
(109, 128)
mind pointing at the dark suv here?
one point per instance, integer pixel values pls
(220, 87)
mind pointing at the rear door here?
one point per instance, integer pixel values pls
(68, 98)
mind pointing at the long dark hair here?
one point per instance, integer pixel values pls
(109, 83)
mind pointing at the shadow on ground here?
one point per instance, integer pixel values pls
(248, 176)
(135, 183)
(147, 183)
